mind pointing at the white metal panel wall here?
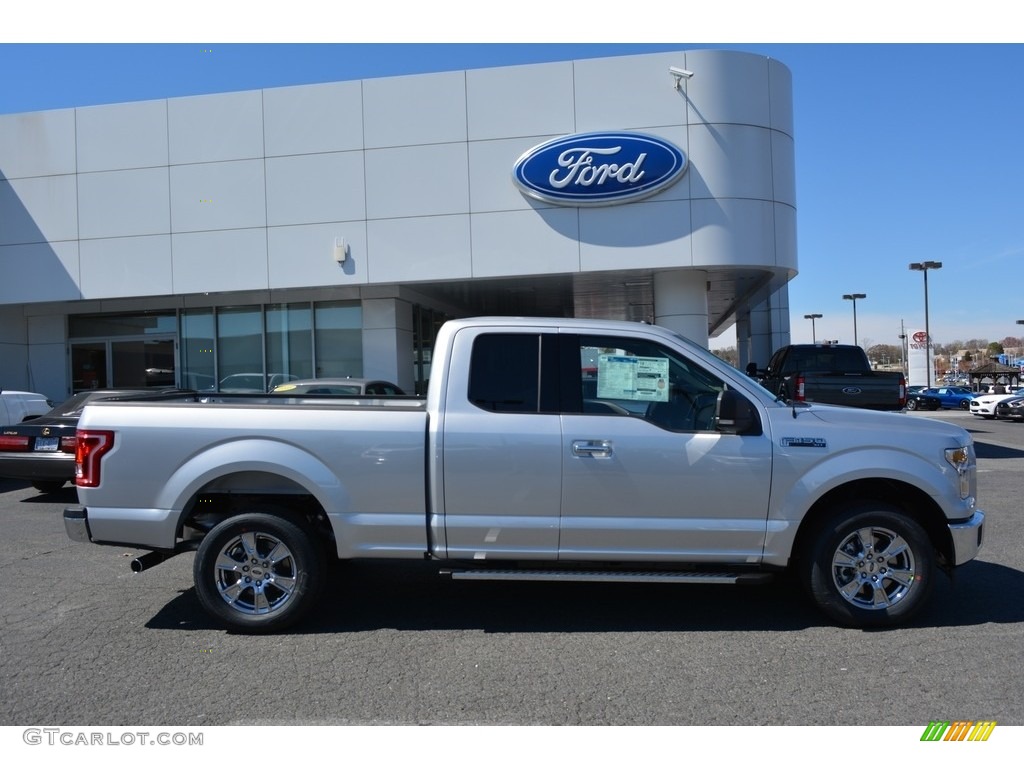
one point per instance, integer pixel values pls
(218, 196)
(415, 110)
(223, 260)
(419, 248)
(414, 172)
(629, 93)
(123, 203)
(656, 234)
(526, 242)
(312, 189)
(39, 272)
(37, 144)
(121, 136)
(308, 119)
(215, 128)
(299, 256)
(126, 266)
(429, 180)
(38, 209)
(531, 100)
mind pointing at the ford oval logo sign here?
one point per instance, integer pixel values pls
(598, 168)
(851, 390)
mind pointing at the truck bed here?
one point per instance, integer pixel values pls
(265, 445)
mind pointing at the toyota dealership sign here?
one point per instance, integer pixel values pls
(920, 358)
(598, 168)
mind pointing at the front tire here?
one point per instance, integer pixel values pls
(870, 565)
(965, 405)
(911, 405)
(257, 573)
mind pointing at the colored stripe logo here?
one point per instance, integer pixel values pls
(958, 730)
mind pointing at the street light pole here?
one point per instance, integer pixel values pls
(812, 318)
(924, 266)
(903, 348)
(853, 297)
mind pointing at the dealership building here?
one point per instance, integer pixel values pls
(329, 229)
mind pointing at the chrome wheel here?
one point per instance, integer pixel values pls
(873, 568)
(869, 564)
(255, 573)
(258, 572)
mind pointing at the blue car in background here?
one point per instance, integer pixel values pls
(952, 397)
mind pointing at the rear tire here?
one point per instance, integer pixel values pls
(869, 565)
(911, 405)
(258, 573)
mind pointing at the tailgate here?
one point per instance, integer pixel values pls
(855, 390)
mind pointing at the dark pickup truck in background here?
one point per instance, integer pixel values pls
(839, 374)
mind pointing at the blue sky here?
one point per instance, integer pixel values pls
(905, 152)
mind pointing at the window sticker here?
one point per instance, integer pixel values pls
(625, 377)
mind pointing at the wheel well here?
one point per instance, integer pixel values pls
(912, 501)
(243, 492)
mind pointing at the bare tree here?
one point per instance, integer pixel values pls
(729, 354)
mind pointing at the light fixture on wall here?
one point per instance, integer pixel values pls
(340, 250)
(679, 73)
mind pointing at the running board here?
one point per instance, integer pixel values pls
(670, 577)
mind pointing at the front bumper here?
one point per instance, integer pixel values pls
(967, 537)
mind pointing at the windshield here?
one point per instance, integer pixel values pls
(712, 359)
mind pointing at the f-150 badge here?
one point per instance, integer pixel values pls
(803, 442)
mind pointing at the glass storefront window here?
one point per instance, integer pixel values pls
(426, 324)
(339, 339)
(197, 359)
(88, 365)
(100, 326)
(143, 363)
(230, 349)
(240, 349)
(290, 341)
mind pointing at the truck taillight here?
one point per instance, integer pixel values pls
(903, 391)
(798, 390)
(90, 447)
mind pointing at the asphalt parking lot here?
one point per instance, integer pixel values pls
(85, 641)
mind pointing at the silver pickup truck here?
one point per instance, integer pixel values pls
(545, 449)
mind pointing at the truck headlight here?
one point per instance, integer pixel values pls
(960, 460)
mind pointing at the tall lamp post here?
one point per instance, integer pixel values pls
(924, 266)
(812, 319)
(853, 297)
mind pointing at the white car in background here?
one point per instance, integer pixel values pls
(985, 405)
(16, 407)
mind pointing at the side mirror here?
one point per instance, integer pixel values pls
(735, 415)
